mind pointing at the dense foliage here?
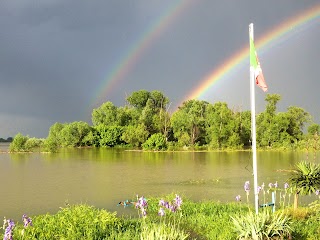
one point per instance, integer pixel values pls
(145, 122)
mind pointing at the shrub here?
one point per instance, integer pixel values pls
(151, 231)
(155, 142)
(19, 143)
(32, 143)
(73, 222)
(305, 179)
(50, 145)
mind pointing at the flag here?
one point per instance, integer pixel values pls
(255, 64)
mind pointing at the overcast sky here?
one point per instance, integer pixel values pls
(57, 55)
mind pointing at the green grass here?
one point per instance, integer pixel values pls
(195, 220)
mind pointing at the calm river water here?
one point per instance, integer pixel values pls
(39, 183)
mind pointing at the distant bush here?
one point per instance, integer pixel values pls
(22, 143)
(19, 144)
(32, 143)
(50, 145)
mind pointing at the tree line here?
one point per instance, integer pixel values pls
(145, 123)
(9, 139)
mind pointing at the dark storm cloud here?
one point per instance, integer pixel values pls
(55, 53)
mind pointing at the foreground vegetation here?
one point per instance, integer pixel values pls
(145, 123)
(194, 220)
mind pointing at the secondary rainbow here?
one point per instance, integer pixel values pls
(284, 28)
(137, 49)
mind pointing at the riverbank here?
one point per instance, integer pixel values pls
(178, 220)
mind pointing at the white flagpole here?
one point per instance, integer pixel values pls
(253, 129)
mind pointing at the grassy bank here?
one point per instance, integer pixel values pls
(160, 218)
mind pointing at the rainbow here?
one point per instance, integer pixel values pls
(137, 49)
(220, 72)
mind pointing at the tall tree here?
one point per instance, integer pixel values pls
(135, 135)
(267, 131)
(105, 114)
(188, 122)
(138, 99)
(159, 101)
(73, 134)
(297, 117)
(221, 127)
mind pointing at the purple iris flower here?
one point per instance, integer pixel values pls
(247, 186)
(26, 220)
(178, 201)
(161, 212)
(259, 189)
(8, 234)
(173, 208)
(286, 185)
(142, 202)
(142, 205)
(238, 198)
(162, 202)
(318, 192)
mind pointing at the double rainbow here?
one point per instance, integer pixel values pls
(310, 16)
(139, 47)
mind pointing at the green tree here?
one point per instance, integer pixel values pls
(314, 129)
(222, 127)
(128, 116)
(162, 122)
(22, 143)
(188, 122)
(158, 100)
(279, 136)
(108, 135)
(138, 99)
(105, 114)
(146, 117)
(298, 117)
(53, 141)
(243, 120)
(19, 143)
(267, 131)
(135, 135)
(33, 143)
(50, 145)
(155, 142)
(90, 139)
(73, 134)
